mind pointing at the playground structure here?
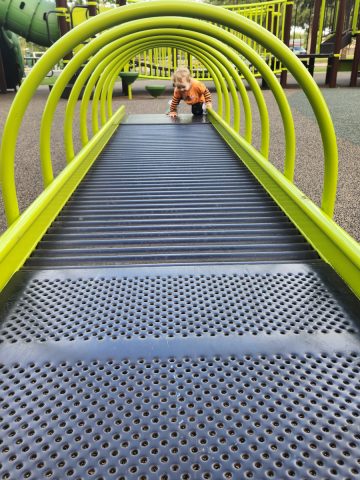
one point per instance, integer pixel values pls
(331, 28)
(273, 15)
(36, 21)
(182, 310)
(39, 21)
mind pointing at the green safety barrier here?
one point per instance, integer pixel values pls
(184, 25)
(159, 63)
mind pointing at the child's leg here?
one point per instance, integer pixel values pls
(197, 108)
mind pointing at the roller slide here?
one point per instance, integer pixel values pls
(173, 323)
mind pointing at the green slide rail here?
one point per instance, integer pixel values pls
(181, 24)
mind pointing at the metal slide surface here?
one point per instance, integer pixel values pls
(173, 324)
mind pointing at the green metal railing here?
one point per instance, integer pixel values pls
(160, 63)
(328, 18)
(193, 28)
(355, 25)
(327, 21)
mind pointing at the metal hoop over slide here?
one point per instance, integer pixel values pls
(115, 37)
(190, 16)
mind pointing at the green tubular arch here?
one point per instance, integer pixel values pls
(217, 81)
(96, 97)
(55, 94)
(221, 63)
(76, 91)
(89, 69)
(95, 59)
(105, 92)
(284, 109)
(46, 125)
(47, 120)
(99, 87)
(92, 81)
(218, 70)
(242, 89)
(288, 124)
(214, 69)
(198, 49)
(257, 92)
(158, 9)
(272, 81)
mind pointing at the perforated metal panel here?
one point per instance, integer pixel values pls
(145, 305)
(196, 418)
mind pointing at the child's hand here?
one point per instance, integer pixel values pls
(172, 114)
(209, 105)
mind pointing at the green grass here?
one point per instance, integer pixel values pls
(49, 80)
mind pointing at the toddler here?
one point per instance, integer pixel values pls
(192, 91)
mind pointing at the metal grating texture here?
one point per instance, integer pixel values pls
(262, 417)
(173, 302)
(185, 199)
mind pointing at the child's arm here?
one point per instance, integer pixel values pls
(174, 104)
(207, 96)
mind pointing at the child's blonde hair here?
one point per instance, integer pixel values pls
(180, 74)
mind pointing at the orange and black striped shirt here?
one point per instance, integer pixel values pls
(197, 93)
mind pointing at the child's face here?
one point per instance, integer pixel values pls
(183, 85)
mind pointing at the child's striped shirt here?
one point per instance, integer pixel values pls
(197, 93)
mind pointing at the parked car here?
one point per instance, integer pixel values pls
(298, 50)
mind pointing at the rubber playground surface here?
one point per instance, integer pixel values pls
(343, 103)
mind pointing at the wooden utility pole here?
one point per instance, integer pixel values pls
(356, 62)
(314, 34)
(125, 86)
(92, 8)
(287, 28)
(62, 7)
(64, 24)
(335, 61)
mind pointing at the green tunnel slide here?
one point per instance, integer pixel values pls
(34, 20)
